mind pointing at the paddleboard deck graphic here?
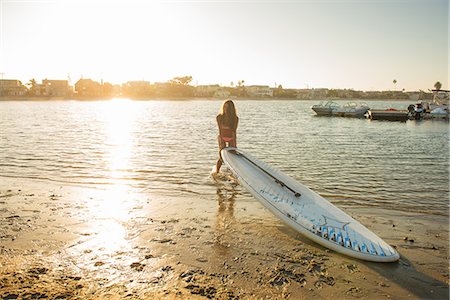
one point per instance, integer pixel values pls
(306, 211)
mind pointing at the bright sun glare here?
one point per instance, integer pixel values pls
(110, 207)
(120, 116)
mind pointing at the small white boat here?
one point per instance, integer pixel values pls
(441, 99)
(325, 109)
(351, 109)
(439, 108)
(439, 113)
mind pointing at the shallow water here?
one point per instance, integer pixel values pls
(169, 148)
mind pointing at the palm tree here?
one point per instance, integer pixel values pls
(33, 85)
(395, 83)
(240, 87)
(438, 85)
(32, 82)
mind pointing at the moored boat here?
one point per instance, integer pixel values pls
(324, 109)
(439, 106)
(438, 113)
(351, 109)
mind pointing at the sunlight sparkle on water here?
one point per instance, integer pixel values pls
(119, 119)
(110, 207)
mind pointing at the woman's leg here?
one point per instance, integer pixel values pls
(221, 146)
(218, 164)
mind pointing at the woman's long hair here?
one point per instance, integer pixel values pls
(228, 114)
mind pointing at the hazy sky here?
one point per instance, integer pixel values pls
(363, 44)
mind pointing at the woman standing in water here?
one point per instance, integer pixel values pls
(227, 121)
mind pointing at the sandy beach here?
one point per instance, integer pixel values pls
(72, 242)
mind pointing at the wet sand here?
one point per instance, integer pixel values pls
(69, 242)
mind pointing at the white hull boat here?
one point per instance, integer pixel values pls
(325, 109)
(351, 109)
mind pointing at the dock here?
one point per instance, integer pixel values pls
(389, 114)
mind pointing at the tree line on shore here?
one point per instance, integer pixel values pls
(180, 87)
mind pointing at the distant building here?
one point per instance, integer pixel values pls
(303, 94)
(162, 89)
(222, 93)
(88, 88)
(413, 96)
(56, 88)
(162, 85)
(12, 87)
(138, 88)
(385, 95)
(214, 90)
(206, 90)
(259, 91)
(116, 90)
(137, 84)
(318, 93)
(399, 95)
(373, 95)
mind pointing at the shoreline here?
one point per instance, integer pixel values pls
(92, 99)
(80, 242)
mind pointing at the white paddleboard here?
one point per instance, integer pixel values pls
(306, 211)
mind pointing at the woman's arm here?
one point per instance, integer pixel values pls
(219, 124)
(235, 132)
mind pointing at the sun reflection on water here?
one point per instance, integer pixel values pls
(110, 208)
(119, 119)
